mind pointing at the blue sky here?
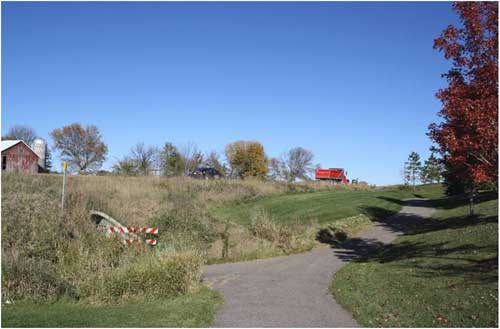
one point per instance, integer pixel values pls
(353, 82)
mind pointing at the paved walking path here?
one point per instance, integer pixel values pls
(293, 291)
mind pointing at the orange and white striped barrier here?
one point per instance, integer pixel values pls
(128, 230)
(150, 230)
(151, 242)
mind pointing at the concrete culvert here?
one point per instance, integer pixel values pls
(103, 222)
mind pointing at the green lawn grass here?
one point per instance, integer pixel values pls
(444, 275)
(191, 310)
(323, 207)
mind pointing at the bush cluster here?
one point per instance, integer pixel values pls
(283, 237)
(155, 275)
(185, 224)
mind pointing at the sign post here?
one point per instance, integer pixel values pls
(65, 166)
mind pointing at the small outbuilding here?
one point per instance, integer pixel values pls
(17, 156)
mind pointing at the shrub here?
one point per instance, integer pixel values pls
(331, 235)
(340, 230)
(405, 187)
(155, 275)
(32, 279)
(263, 227)
(185, 224)
(324, 235)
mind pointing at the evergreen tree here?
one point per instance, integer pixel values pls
(412, 168)
(48, 160)
(432, 171)
(172, 161)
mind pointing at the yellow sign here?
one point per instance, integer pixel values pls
(65, 165)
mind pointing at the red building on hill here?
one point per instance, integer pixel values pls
(336, 175)
(19, 157)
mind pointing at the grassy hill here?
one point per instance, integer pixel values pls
(443, 275)
(324, 207)
(56, 263)
(289, 222)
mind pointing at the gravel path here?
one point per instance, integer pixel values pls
(293, 291)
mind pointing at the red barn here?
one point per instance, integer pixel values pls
(336, 175)
(19, 157)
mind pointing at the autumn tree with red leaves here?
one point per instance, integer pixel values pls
(467, 137)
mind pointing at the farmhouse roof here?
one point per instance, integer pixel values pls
(9, 143)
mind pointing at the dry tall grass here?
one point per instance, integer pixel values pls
(47, 254)
(135, 199)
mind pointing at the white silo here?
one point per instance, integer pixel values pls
(40, 148)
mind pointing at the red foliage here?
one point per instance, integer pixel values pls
(468, 135)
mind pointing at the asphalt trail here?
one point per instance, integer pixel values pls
(292, 291)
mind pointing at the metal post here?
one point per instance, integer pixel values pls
(65, 166)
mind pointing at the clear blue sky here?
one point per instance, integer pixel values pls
(352, 82)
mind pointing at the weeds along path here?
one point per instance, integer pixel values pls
(292, 291)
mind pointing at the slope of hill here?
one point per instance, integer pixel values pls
(444, 274)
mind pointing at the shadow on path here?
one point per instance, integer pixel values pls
(356, 248)
(387, 226)
(427, 258)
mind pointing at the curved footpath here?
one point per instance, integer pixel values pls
(293, 291)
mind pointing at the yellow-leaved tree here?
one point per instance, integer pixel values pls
(247, 159)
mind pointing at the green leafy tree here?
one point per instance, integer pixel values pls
(247, 159)
(412, 169)
(172, 161)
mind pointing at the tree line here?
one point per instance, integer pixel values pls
(84, 150)
(430, 172)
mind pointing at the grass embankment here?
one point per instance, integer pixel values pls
(191, 310)
(445, 274)
(325, 206)
(53, 261)
(286, 223)
(50, 257)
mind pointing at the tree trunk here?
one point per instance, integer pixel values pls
(471, 201)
